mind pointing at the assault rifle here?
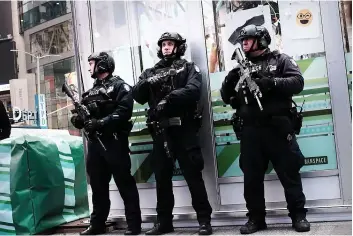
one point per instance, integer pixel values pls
(159, 127)
(246, 68)
(81, 111)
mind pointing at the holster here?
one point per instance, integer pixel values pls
(296, 119)
(237, 123)
(173, 121)
(198, 121)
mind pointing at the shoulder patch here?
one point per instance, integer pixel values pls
(197, 68)
(127, 87)
(293, 62)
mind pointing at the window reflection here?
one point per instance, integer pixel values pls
(58, 105)
(130, 31)
(33, 13)
(222, 24)
(53, 40)
(110, 30)
(155, 18)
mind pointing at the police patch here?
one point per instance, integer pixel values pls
(127, 87)
(111, 88)
(293, 62)
(273, 67)
(197, 68)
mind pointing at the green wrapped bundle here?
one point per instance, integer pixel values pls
(42, 181)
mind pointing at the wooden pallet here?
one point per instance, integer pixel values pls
(76, 227)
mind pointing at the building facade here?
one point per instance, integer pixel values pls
(7, 65)
(321, 46)
(46, 30)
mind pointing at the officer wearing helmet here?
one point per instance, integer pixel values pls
(181, 101)
(110, 104)
(267, 135)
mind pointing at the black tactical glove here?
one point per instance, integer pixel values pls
(93, 125)
(153, 80)
(235, 102)
(265, 83)
(161, 107)
(233, 76)
(77, 122)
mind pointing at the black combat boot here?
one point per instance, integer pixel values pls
(205, 229)
(159, 229)
(300, 223)
(253, 225)
(132, 231)
(94, 230)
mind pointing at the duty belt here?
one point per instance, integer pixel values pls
(257, 121)
(174, 121)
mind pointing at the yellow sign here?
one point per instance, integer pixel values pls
(71, 78)
(304, 17)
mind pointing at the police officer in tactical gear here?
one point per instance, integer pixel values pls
(268, 134)
(172, 89)
(110, 103)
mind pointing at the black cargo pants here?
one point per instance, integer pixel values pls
(101, 165)
(261, 143)
(184, 145)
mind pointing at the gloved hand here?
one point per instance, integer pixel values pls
(233, 76)
(235, 102)
(93, 125)
(153, 80)
(77, 122)
(265, 83)
(160, 109)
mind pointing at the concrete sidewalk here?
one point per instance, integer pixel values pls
(322, 228)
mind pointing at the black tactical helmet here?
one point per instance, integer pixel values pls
(258, 32)
(104, 62)
(180, 43)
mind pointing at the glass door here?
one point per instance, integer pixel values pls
(295, 29)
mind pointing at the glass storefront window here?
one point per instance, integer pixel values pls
(33, 13)
(53, 40)
(58, 105)
(302, 40)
